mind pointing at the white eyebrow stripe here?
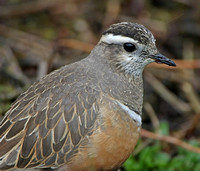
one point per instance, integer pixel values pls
(116, 39)
(136, 117)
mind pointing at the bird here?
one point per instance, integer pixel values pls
(85, 115)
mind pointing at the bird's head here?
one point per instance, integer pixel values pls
(130, 47)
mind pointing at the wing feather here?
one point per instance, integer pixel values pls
(4, 128)
(28, 144)
(47, 124)
(59, 131)
(47, 145)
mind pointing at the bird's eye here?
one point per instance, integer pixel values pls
(129, 47)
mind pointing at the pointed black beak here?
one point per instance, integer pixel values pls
(159, 58)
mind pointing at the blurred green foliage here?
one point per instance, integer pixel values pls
(154, 158)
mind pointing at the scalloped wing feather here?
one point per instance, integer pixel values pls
(46, 125)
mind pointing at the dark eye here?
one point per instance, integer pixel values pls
(129, 47)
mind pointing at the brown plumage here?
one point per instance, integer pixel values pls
(85, 115)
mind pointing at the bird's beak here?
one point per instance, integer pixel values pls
(159, 58)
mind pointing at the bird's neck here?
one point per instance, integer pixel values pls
(126, 88)
(133, 93)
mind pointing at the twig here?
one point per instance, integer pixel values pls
(35, 48)
(152, 115)
(10, 66)
(27, 43)
(28, 7)
(166, 94)
(191, 96)
(193, 124)
(169, 139)
(75, 44)
(180, 64)
(193, 99)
